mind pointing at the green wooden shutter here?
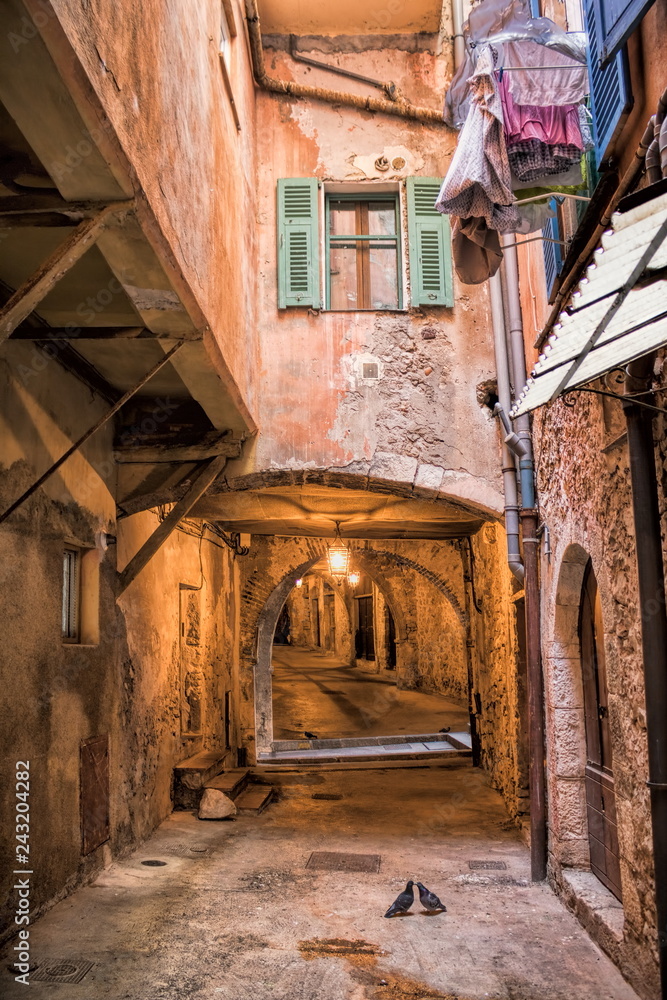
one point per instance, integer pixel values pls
(430, 245)
(298, 243)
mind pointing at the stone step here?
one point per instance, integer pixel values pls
(232, 782)
(191, 775)
(254, 799)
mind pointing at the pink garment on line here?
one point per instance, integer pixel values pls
(557, 125)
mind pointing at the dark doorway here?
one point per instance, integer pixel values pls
(282, 636)
(315, 618)
(365, 639)
(600, 793)
(329, 622)
(228, 719)
(390, 638)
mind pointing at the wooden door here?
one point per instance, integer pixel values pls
(600, 794)
(365, 638)
(315, 621)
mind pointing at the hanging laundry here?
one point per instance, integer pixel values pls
(541, 140)
(532, 83)
(475, 250)
(478, 182)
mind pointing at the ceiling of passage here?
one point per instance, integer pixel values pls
(311, 510)
(349, 17)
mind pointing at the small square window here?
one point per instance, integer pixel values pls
(363, 253)
(71, 595)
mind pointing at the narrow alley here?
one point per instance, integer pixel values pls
(333, 499)
(314, 693)
(245, 910)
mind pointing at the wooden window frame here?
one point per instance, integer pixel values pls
(362, 200)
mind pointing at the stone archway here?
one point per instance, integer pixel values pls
(265, 590)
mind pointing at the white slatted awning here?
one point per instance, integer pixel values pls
(618, 311)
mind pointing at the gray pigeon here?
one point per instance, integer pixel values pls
(311, 736)
(428, 899)
(403, 901)
(445, 730)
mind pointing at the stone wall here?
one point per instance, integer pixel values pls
(587, 505)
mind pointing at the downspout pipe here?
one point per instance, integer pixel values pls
(510, 489)
(651, 580)
(398, 108)
(531, 542)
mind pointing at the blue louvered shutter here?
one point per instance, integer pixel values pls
(618, 19)
(429, 245)
(610, 90)
(298, 243)
(553, 256)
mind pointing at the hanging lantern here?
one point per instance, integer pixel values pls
(338, 556)
(353, 579)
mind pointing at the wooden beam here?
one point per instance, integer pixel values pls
(35, 204)
(199, 485)
(91, 430)
(208, 447)
(73, 333)
(26, 298)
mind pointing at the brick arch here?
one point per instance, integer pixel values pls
(263, 595)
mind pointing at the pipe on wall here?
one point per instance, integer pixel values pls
(530, 537)
(514, 559)
(398, 108)
(651, 580)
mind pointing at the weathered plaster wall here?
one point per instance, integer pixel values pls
(418, 421)
(156, 69)
(126, 684)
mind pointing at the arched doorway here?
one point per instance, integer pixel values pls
(599, 773)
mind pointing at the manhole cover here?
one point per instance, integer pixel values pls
(487, 866)
(330, 861)
(327, 796)
(71, 971)
(154, 864)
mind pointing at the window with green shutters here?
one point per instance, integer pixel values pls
(429, 243)
(298, 243)
(359, 261)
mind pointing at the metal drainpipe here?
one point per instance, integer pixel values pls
(529, 520)
(651, 578)
(509, 468)
(398, 108)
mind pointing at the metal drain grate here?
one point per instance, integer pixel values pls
(191, 851)
(487, 866)
(71, 971)
(397, 746)
(330, 861)
(327, 796)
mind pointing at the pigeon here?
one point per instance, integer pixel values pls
(311, 736)
(403, 901)
(445, 730)
(428, 899)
